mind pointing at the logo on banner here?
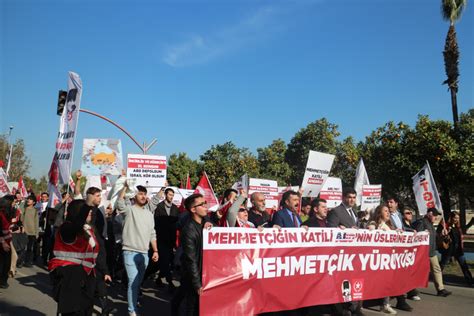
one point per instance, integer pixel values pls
(71, 103)
(345, 237)
(346, 291)
(358, 289)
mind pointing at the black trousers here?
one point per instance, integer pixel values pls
(30, 248)
(191, 299)
(5, 264)
(165, 253)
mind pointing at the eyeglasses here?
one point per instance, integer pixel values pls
(200, 204)
(408, 213)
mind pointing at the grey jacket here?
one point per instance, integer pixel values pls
(340, 216)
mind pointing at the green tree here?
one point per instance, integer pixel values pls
(435, 142)
(20, 164)
(387, 159)
(226, 163)
(319, 135)
(35, 185)
(451, 11)
(345, 163)
(179, 166)
(272, 162)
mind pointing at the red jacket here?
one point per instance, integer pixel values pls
(5, 234)
(80, 252)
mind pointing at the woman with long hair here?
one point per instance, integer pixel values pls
(381, 220)
(455, 248)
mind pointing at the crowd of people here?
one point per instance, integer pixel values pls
(87, 245)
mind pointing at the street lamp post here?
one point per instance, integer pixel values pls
(144, 148)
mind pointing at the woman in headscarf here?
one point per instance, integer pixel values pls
(73, 267)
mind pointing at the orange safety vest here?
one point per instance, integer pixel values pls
(80, 252)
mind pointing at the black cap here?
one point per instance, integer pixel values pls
(433, 210)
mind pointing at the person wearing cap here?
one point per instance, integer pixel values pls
(426, 224)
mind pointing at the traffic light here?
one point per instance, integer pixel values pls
(61, 101)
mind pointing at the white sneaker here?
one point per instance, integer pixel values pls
(415, 298)
(387, 309)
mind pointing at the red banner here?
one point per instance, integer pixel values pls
(252, 272)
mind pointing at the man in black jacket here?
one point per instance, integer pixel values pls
(426, 224)
(318, 214)
(166, 217)
(191, 260)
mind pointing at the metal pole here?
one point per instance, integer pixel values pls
(116, 125)
(10, 147)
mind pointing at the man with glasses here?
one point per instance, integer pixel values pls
(191, 260)
(408, 223)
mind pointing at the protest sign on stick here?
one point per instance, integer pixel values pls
(316, 172)
(148, 170)
(332, 192)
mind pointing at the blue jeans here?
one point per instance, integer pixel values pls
(135, 264)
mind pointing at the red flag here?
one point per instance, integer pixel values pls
(188, 183)
(204, 187)
(22, 188)
(72, 185)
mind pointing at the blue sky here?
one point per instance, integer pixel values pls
(197, 73)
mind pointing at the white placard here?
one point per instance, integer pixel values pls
(316, 172)
(148, 170)
(332, 192)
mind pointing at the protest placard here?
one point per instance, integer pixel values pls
(332, 192)
(148, 170)
(316, 172)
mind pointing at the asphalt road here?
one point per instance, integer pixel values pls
(29, 295)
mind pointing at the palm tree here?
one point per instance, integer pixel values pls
(451, 11)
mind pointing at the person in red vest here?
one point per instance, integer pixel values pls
(73, 267)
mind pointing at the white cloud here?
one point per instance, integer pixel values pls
(198, 49)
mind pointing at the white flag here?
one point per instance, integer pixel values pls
(361, 179)
(4, 188)
(60, 170)
(426, 193)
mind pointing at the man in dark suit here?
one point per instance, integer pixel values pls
(343, 217)
(318, 214)
(287, 216)
(166, 218)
